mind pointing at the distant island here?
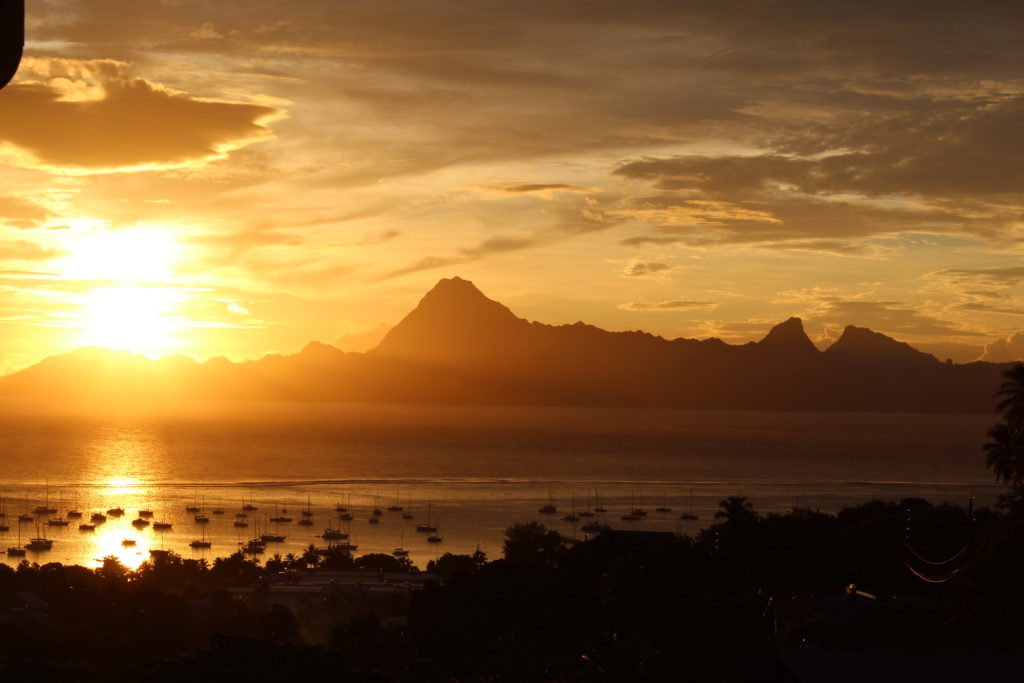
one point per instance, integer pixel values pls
(459, 347)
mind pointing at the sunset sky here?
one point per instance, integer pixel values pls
(241, 177)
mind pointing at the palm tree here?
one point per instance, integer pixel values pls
(735, 509)
(311, 557)
(1012, 391)
(1004, 454)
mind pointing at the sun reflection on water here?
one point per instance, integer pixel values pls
(109, 542)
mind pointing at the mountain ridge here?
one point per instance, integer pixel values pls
(459, 346)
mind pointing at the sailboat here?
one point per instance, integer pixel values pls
(307, 515)
(397, 507)
(400, 551)
(200, 543)
(162, 526)
(571, 517)
(45, 508)
(550, 508)
(268, 537)
(17, 551)
(280, 518)
(426, 528)
(664, 505)
(75, 513)
(597, 503)
(689, 516)
(3, 515)
(588, 512)
(632, 516)
(40, 543)
(407, 514)
(640, 511)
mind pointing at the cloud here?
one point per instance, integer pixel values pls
(546, 190)
(1013, 275)
(22, 250)
(888, 317)
(119, 123)
(638, 268)
(21, 213)
(671, 305)
(237, 308)
(1005, 350)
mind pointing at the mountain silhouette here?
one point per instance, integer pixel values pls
(458, 346)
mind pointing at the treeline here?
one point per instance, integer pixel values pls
(623, 606)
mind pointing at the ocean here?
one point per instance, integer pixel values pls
(478, 469)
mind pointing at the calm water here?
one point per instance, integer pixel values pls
(480, 469)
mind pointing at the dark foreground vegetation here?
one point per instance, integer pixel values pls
(731, 604)
(623, 606)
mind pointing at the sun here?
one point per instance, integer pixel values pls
(131, 300)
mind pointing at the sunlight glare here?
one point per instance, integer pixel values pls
(146, 254)
(134, 318)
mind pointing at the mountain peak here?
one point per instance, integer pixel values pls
(452, 319)
(788, 334)
(862, 342)
(454, 289)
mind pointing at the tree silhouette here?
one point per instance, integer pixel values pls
(1012, 393)
(310, 557)
(532, 544)
(1004, 454)
(735, 509)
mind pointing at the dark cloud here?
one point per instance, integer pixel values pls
(134, 124)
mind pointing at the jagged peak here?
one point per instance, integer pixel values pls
(866, 342)
(790, 334)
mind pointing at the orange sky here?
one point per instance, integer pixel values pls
(238, 178)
